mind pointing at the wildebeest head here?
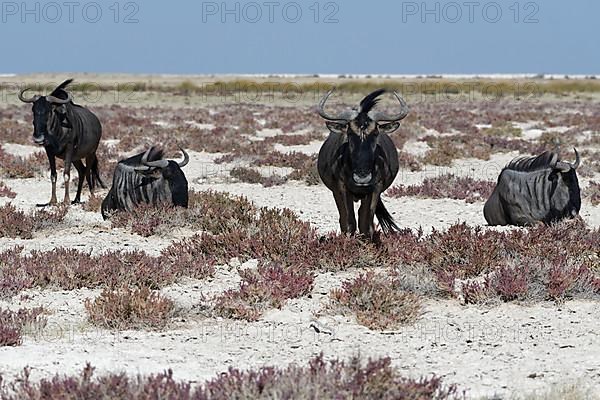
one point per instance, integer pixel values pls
(153, 165)
(43, 109)
(361, 154)
(565, 173)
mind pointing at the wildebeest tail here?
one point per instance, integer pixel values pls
(385, 219)
(96, 174)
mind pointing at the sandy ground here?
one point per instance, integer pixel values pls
(507, 349)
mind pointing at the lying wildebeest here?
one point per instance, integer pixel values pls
(358, 161)
(67, 131)
(147, 178)
(533, 190)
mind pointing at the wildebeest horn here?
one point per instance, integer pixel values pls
(382, 117)
(157, 163)
(56, 100)
(186, 158)
(27, 100)
(566, 167)
(577, 159)
(345, 116)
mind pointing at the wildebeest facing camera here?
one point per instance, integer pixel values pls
(376, 200)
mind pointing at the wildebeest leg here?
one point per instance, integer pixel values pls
(52, 161)
(366, 213)
(82, 173)
(345, 205)
(67, 173)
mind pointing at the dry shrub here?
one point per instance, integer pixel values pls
(319, 379)
(376, 301)
(5, 191)
(447, 186)
(92, 204)
(16, 223)
(269, 286)
(592, 192)
(250, 175)
(247, 175)
(207, 211)
(127, 308)
(502, 129)
(408, 161)
(70, 269)
(15, 167)
(14, 323)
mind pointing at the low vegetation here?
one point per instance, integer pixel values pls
(267, 287)
(13, 324)
(319, 379)
(446, 186)
(128, 308)
(377, 301)
(15, 223)
(5, 191)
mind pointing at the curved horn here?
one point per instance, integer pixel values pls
(345, 116)
(27, 100)
(56, 100)
(380, 116)
(186, 158)
(577, 159)
(156, 164)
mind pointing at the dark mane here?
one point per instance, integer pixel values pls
(370, 101)
(545, 160)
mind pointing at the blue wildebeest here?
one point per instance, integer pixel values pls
(147, 178)
(533, 190)
(358, 161)
(69, 132)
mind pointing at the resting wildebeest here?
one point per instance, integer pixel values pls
(69, 132)
(358, 161)
(147, 178)
(533, 190)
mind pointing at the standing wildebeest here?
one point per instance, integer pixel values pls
(531, 190)
(358, 161)
(69, 132)
(147, 178)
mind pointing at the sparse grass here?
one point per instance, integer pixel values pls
(376, 301)
(14, 323)
(447, 186)
(127, 308)
(16, 223)
(319, 379)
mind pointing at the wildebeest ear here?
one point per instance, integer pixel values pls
(336, 127)
(389, 128)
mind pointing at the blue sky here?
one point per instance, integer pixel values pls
(350, 36)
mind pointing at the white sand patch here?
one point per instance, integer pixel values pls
(163, 124)
(21, 150)
(200, 126)
(416, 147)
